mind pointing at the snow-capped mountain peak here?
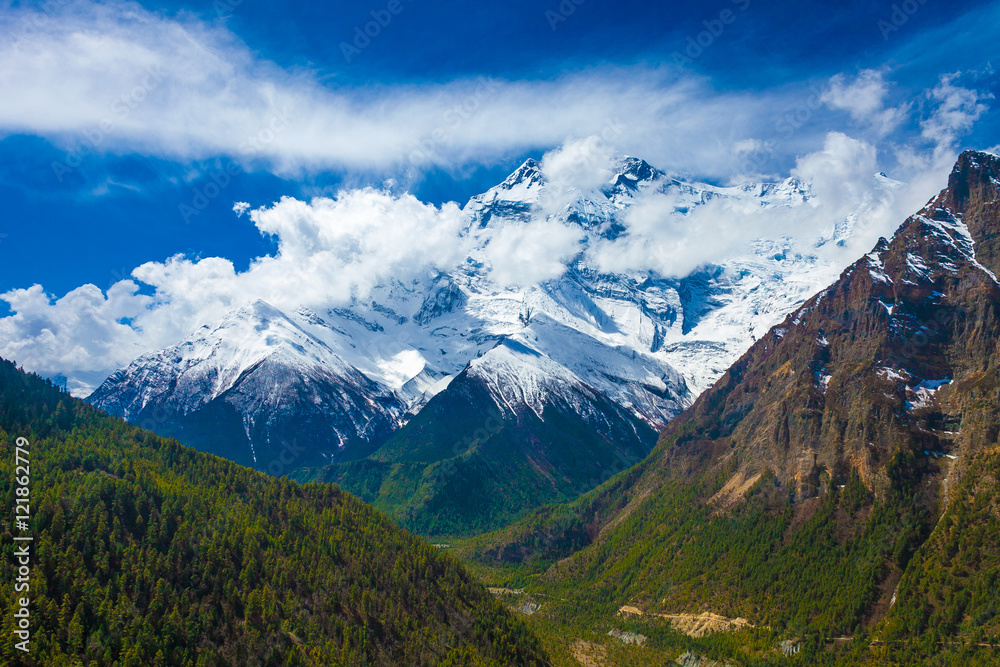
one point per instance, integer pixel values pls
(647, 342)
(244, 338)
(529, 174)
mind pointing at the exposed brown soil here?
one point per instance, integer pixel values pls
(589, 654)
(694, 625)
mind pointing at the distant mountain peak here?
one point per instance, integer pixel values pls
(259, 312)
(250, 384)
(633, 170)
(528, 174)
(259, 308)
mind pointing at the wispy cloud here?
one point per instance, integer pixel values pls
(841, 178)
(864, 98)
(114, 78)
(956, 109)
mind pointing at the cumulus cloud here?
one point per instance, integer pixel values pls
(849, 194)
(576, 169)
(329, 250)
(659, 239)
(524, 254)
(841, 173)
(579, 165)
(864, 98)
(49, 335)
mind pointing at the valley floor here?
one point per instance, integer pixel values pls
(576, 634)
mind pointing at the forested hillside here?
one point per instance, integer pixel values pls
(148, 553)
(435, 482)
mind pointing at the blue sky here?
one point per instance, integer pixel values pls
(116, 118)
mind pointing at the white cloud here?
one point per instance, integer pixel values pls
(956, 110)
(575, 169)
(48, 335)
(524, 254)
(328, 251)
(745, 146)
(583, 164)
(112, 78)
(842, 178)
(952, 111)
(330, 248)
(864, 99)
(841, 173)
(658, 239)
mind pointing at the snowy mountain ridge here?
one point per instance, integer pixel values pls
(647, 342)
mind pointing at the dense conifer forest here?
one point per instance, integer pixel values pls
(148, 553)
